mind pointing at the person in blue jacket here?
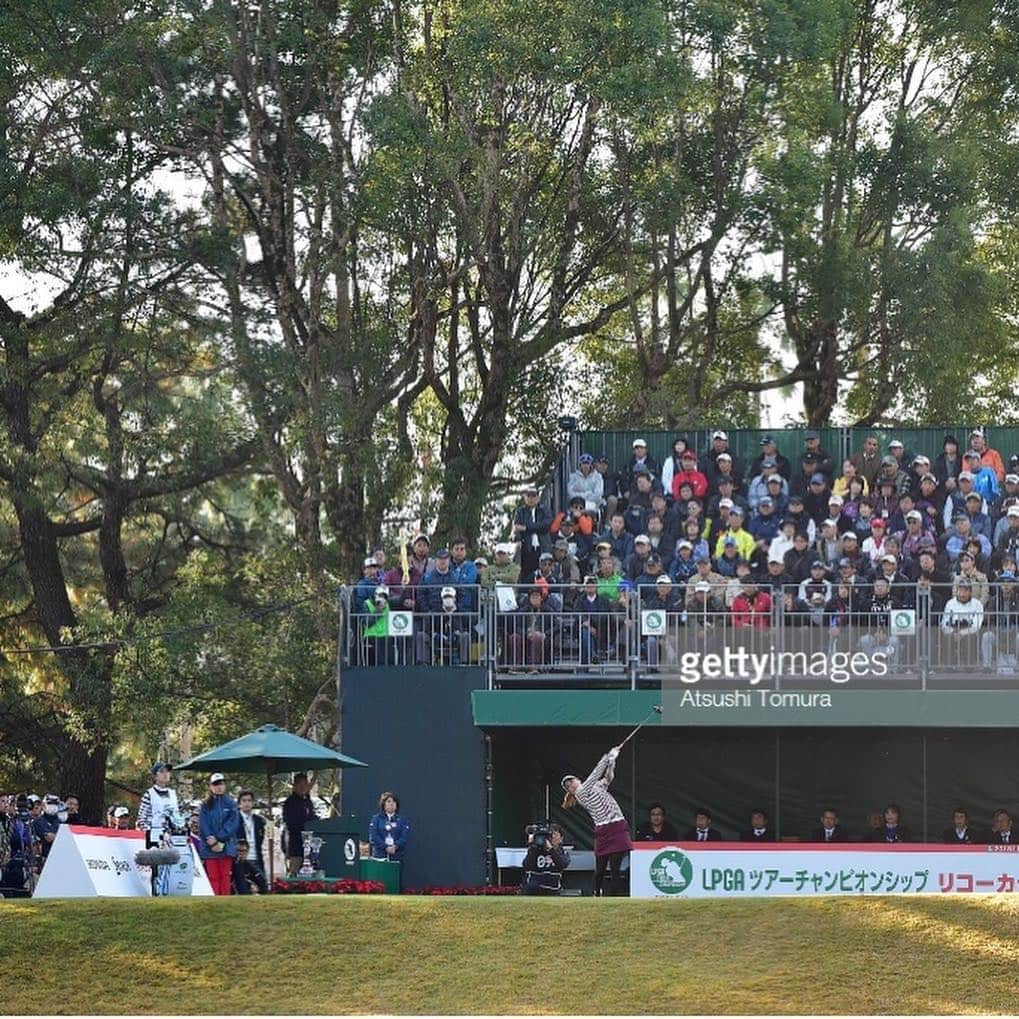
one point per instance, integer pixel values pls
(388, 832)
(218, 821)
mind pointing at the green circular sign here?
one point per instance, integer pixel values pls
(902, 620)
(671, 871)
(398, 622)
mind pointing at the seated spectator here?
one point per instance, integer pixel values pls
(776, 580)
(564, 565)
(532, 631)
(897, 451)
(637, 562)
(892, 830)
(840, 610)
(730, 558)
(966, 569)
(884, 500)
(718, 462)
(765, 524)
(725, 468)
(990, 459)
(690, 474)
(610, 579)
(931, 503)
(734, 585)
(636, 513)
(646, 582)
(702, 830)
(1001, 831)
(891, 472)
(961, 622)
(683, 565)
(815, 591)
(658, 828)
(784, 541)
(364, 589)
(850, 509)
(706, 574)
(956, 502)
(961, 831)
(828, 547)
(619, 539)
(726, 490)
(998, 510)
(769, 451)
(661, 544)
(840, 486)
(878, 620)
(798, 560)
(804, 522)
(667, 598)
(815, 501)
(464, 574)
(445, 636)
(760, 830)
(830, 829)
(504, 570)
(920, 468)
(583, 521)
(835, 506)
(693, 532)
(956, 541)
(744, 540)
(751, 609)
(758, 487)
(586, 484)
(912, 537)
(874, 546)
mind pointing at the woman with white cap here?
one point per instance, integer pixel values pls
(218, 820)
(611, 831)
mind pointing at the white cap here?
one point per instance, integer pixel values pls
(642, 538)
(895, 443)
(720, 435)
(702, 587)
(383, 590)
(1014, 478)
(914, 515)
(723, 456)
(216, 776)
(370, 561)
(722, 503)
(664, 579)
(506, 547)
(639, 442)
(448, 592)
(829, 523)
(965, 476)
(835, 498)
(1012, 511)
(683, 544)
(121, 812)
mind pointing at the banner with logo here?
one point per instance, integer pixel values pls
(693, 870)
(86, 862)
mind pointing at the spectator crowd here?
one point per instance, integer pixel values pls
(718, 544)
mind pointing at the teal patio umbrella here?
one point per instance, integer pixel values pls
(267, 750)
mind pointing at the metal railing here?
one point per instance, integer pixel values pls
(558, 635)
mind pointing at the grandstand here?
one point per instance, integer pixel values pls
(860, 656)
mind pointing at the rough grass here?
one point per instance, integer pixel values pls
(341, 954)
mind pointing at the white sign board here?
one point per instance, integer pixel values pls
(86, 862)
(693, 870)
(903, 622)
(653, 623)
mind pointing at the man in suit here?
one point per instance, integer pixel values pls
(759, 830)
(830, 830)
(252, 831)
(702, 830)
(961, 832)
(1002, 833)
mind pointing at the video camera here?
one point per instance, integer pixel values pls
(539, 834)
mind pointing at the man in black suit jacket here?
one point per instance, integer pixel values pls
(702, 830)
(961, 832)
(830, 830)
(252, 831)
(1002, 834)
(759, 830)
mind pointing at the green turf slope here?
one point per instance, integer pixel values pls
(432, 955)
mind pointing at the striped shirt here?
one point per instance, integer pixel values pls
(594, 796)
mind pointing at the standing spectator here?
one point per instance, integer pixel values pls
(593, 612)
(251, 869)
(710, 465)
(218, 822)
(504, 570)
(752, 607)
(989, 457)
(587, 484)
(868, 461)
(419, 561)
(985, 481)
(298, 810)
(820, 458)
(758, 486)
(46, 826)
(674, 460)
(530, 525)
(769, 451)
(71, 804)
(948, 464)
(364, 589)
(640, 462)
(725, 468)
(388, 832)
(689, 472)
(464, 574)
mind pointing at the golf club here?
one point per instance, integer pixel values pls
(656, 709)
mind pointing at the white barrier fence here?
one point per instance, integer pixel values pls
(695, 870)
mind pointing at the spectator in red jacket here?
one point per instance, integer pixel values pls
(698, 481)
(751, 607)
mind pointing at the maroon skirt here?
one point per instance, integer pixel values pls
(613, 837)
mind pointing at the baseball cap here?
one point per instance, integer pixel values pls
(889, 558)
(702, 587)
(719, 434)
(963, 582)
(768, 439)
(766, 500)
(845, 562)
(723, 503)
(817, 479)
(1012, 511)
(723, 456)
(878, 522)
(639, 442)
(975, 496)
(965, 476)
(604, 544)
(835, 498)
(121, 812)
(914, 515)
(505, 548)
(829, 523)
(929, 477)
(817, 565)
(216, 776)
(768, 462)
(664, 579)
(921, 458)
(774, 479)
(1012, 479)
(888, 461)
(971, 454)
(370, 561)
(642, 539)
(159, 766)
(421, 537)
(480, 561)
(683, 544)
(448, 592)
(443, 553)
(850, 536)
(586, 458)
(560, 543)
(738, 510)
(728, 540)
(810, 433)
(895, 444)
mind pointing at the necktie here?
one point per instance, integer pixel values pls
(702, 836)
(758, 832)
(827, 835)
(1005, 836)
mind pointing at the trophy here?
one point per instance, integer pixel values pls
(307, 870)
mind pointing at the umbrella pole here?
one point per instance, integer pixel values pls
(272, 847)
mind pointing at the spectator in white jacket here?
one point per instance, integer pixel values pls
(588, 484)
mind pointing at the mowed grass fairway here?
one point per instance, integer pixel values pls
(417, 954)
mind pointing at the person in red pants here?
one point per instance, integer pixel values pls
(218, 822)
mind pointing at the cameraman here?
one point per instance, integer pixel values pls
(18, 865)
(545, 861)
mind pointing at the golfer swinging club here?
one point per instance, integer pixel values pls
(611, 832)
